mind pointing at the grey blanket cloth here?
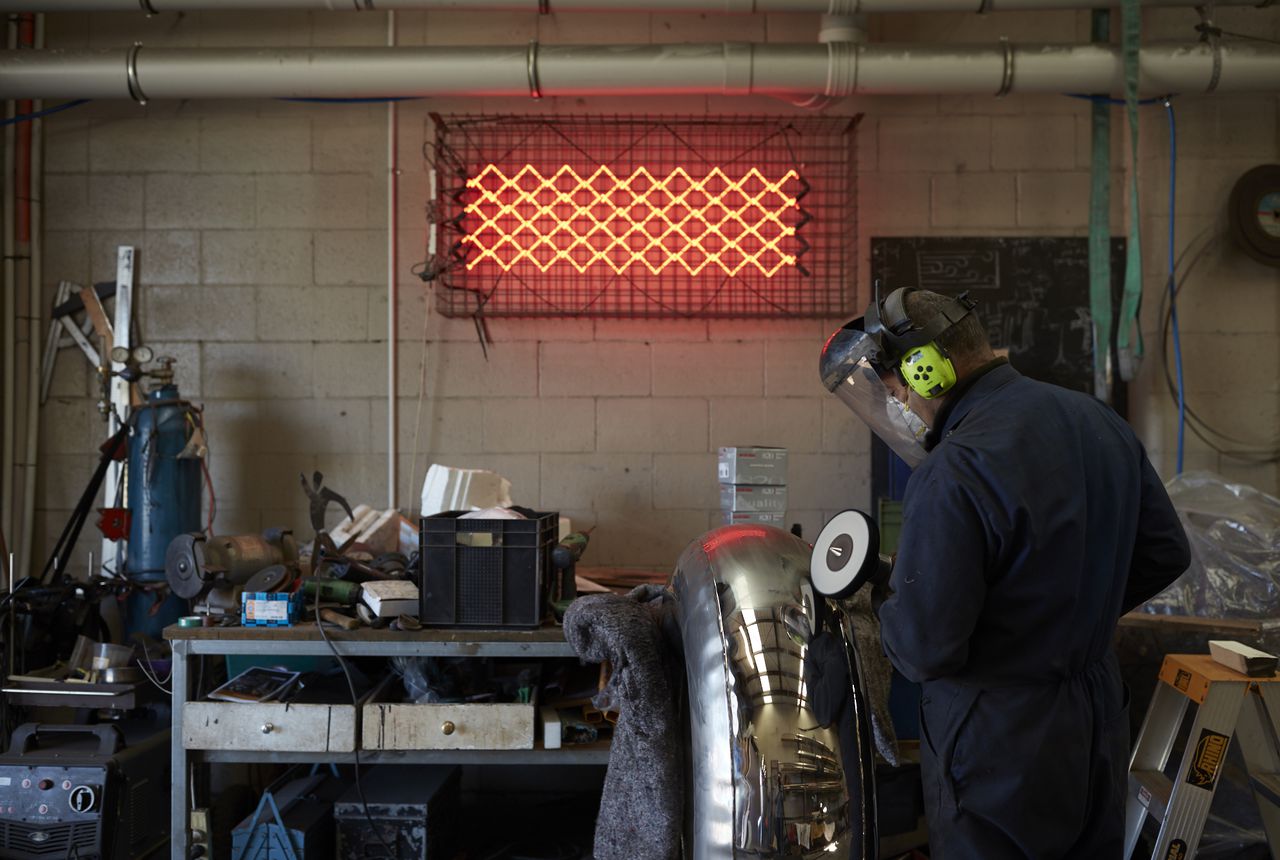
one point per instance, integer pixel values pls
(642, 807)
(877, 674)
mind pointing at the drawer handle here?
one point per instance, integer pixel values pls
(448, 727)
(267, 728)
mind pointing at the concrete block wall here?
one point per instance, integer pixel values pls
(261, 227)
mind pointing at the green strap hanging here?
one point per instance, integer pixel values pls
(1129, 333)
(1100, 231)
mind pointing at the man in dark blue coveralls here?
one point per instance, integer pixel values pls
(1034, 522)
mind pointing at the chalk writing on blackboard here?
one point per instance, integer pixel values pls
(961, 268)
(1032, 293)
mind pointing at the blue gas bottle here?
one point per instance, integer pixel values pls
(164, 501)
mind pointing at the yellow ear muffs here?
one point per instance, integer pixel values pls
(927, 371)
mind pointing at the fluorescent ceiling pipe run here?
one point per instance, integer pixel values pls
(832, 7)
(786, 71)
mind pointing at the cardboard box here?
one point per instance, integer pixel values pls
(756, 518)
(753, 466)
(753, 497)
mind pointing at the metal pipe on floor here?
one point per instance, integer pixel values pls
(829, 7)
(834, 70)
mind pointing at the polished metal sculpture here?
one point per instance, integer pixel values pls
(765, 778)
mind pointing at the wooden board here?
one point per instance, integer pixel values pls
(1232, 627)
(473, 727)
(309, 633)
(269, 727)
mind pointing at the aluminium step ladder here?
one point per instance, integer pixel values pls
(1229, 705)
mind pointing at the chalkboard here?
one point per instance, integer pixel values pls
(1032, 293)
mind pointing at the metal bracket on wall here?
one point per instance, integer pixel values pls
(535, 89)
(131, 75)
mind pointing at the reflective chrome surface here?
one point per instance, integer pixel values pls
(765, 780)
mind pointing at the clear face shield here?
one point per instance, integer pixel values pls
(848, 371)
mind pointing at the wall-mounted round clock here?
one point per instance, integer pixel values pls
(1254, 210)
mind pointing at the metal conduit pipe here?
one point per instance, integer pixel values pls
(833, 70)
(8, 443)
(832, 7)
(834, 29)
(35, 281)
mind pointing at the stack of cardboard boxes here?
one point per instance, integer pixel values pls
(753, 485)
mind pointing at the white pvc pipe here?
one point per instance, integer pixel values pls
(833, 7)
(35, 274)
(393, 272)
(833, 70)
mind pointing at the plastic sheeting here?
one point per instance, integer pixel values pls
(1234, 531)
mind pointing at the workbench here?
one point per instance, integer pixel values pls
(188, 642)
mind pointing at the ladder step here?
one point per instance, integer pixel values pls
(1156, 786)
(1268, 786)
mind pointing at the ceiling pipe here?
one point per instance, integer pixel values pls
(831, 7)
(834, 29)
(834, 70)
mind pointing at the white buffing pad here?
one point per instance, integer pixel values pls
(845, 554)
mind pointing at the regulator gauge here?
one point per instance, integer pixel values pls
(140, 354)
(1254, 211)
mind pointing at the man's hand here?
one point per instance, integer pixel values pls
(880, 590)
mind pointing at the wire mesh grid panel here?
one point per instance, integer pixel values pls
(644, 217)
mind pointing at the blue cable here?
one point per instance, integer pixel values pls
(1173, 289)
(27, 117)
(1108, 100)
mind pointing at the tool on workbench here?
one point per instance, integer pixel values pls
(215, 569)
(270, 608)
(340, 619)
(564, 557)
(331, 590)
(276, 577)
(320, 497)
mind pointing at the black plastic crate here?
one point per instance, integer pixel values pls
(486, 573)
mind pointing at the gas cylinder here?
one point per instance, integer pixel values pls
(163, 499)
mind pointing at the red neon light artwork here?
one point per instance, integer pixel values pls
(713, 220)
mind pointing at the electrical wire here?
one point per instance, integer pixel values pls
(1188, 418)
(1172, 285)
(149, 670)
(213, 499)
(355, 704)
(1250, 38)
(204, 468)
(1257, 453)
(1157, 100)
(28, 117)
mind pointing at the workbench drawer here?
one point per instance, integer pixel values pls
(393, 726)
(269, 727)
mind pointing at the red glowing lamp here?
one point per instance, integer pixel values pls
(718, 221)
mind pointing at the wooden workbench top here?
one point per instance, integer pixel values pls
(307, 632)
(1227, 627)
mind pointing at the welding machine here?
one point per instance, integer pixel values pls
(80, 791)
